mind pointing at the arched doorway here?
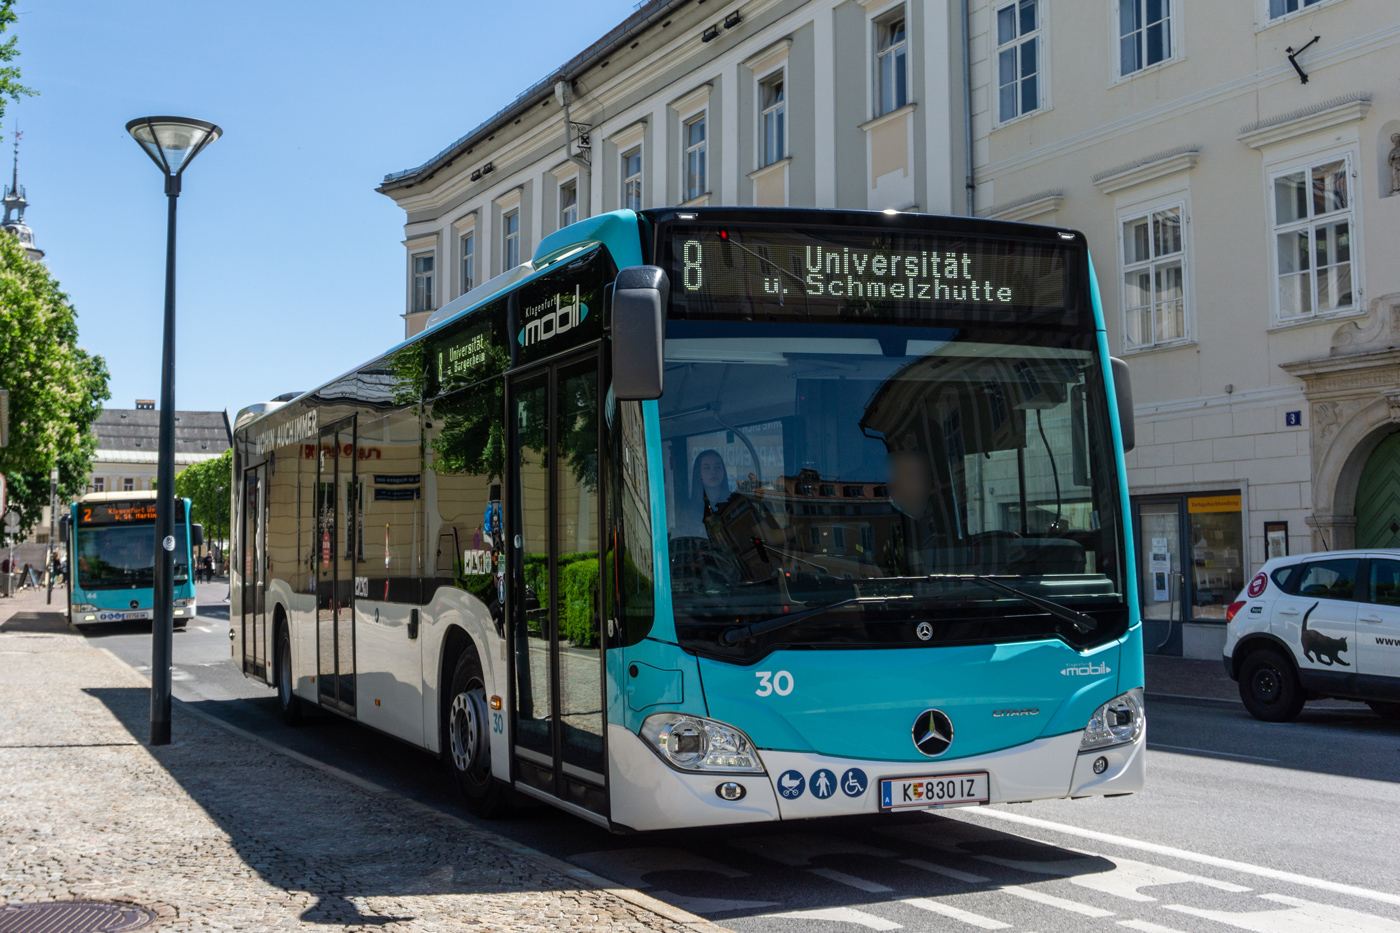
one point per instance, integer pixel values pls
(1378, 497)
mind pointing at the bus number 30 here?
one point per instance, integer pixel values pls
(769, 683)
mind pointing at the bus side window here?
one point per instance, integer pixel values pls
(631, 574)
(391, 477)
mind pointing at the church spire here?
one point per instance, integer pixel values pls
(15, 203)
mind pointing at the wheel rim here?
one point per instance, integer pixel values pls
(1267, 684)
(467, 734)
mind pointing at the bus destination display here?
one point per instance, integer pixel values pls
(111, 513)
(801, 270)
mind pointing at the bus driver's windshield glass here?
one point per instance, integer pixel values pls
(122, 556)
(810, 464)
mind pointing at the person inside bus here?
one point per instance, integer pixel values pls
(914, 492)
(709, 488)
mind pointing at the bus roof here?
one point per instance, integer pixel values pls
(130, 496)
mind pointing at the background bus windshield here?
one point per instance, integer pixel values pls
(859, 466)
(122, 556)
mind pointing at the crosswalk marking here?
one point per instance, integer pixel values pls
(956, 913)
(1186, 855)
(1146, 926)
(953, 873)
(1123, 878)
(843, 915)
(799, 848)
(1050, 900)
(1299, 916)
(840, 876)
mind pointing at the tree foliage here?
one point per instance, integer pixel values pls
(10, 88)
(207, 485)
(56, 387)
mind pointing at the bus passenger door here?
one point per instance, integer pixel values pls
(254, 618)
(334, 552)
(558, 663)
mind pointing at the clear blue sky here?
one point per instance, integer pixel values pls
(290, 264)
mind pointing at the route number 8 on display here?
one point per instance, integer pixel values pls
(770, 683)
(693, 252)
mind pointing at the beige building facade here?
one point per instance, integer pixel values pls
(1234, 169)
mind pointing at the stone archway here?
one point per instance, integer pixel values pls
(1354, 396)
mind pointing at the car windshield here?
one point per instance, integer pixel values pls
(122, 556)
(806, 465)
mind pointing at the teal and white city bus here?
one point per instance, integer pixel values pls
(720, 515)
(111, 538)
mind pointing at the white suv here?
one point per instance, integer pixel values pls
(1314, 626)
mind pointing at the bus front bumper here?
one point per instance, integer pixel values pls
(647, 794)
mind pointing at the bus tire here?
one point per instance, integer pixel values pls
(288, 703)
(468, 746)
(1269, 687)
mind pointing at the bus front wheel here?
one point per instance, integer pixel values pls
(469, 743)
(288, 702)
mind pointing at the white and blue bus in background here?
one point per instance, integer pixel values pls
(111, 540)
(720, 515)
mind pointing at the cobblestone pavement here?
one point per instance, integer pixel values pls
(219, 832)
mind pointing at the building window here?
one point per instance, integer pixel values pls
(696, 181)
(1279, 8)
(1312, 232)
(99, 484)
(510, 228)
(1144, 34)
(423, 282)
(1154, 277)
(632, 179)
(128, 484)
(1018, 59)
(568, 203)
(773, 120)
(468, 262)
(891, 64)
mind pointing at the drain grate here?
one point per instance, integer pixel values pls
(74, 917)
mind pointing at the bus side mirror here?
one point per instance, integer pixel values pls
(638, 333)
(1123, 389)
(63, 528)
(196, 535)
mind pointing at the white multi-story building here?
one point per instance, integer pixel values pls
(1234, 167)
(1234, 176)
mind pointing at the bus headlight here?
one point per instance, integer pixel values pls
(184, 603)
(1120, 721)
(84, 607)
(693, 743)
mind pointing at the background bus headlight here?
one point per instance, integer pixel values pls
(84, 607)
(1118, 722)
(693, 743)
(184, 603)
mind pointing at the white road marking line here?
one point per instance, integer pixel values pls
(1122, 880)
(629, 865)
(709, 905)
(1146, 926)
(953, 873)
(955, 913)
(832, 874)
(1300, 917)
(1188, 856)
(843, 915)
(1208, 751)
(799, 848)
(1050, 900)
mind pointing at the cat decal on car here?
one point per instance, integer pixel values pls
(1320, 648)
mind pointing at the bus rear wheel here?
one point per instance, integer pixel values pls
(292, 709)
(469, 744)
(1269, 688)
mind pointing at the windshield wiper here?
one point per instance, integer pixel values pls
(1082, 623)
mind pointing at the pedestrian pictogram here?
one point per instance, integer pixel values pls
(823, 784)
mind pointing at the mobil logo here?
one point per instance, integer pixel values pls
(558, 314)
(1087, 669)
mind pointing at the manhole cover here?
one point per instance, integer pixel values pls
(74, 917)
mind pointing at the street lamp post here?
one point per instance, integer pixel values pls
(172, 143)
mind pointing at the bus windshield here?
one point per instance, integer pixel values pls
(879, 469)
(122, 556)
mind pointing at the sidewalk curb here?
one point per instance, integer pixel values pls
(637, 898)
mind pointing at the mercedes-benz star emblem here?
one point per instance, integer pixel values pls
(933, 732)
(924, 631)
(135, 604)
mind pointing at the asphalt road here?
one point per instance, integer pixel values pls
(1247, 826)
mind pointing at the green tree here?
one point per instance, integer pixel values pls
(207, 485)
(56, 387)
(10, 88)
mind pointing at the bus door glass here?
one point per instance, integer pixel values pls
(255, 571)
(334, 551)
(556, 635)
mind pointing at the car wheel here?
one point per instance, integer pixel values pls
(1269, 687)
(292, 707)
(468, 751)
(1386, 709)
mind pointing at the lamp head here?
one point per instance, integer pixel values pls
(172, 142)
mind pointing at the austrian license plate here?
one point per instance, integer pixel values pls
(123, 616)
(937, 790)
